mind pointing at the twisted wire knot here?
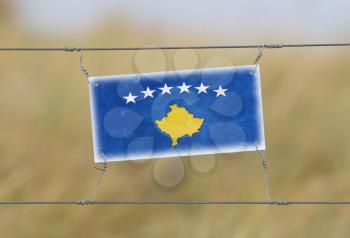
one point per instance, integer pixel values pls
(72, 49)
(258, 57)
(103, 169)
(272, 46)
(83, 202)
(265, 163)
(280, 202)
(84, 70)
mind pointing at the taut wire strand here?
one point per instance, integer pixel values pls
(84, 71)
(258, 57)
(266, 175)
(267, 46)
(168, 202)
(99, 180)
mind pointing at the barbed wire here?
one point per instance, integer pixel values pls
(198, 47)
(165, 202)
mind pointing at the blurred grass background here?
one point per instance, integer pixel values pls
(46, 144)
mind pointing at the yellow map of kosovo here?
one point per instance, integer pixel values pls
(178, 123)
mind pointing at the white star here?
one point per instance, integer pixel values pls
(202, 88)
(130, 98)
(166, 89)
(148, 93)
(220, 91)
(184, 88)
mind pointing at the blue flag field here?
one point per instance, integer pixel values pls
(177, 113)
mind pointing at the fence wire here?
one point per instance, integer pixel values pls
(168, 202)
(198, 47)
(165, 202)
